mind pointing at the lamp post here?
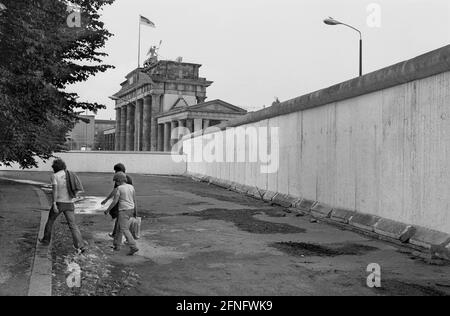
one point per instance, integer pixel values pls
(331, 21)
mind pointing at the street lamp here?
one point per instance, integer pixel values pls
(331, 21)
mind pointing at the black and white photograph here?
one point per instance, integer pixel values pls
(223, 155)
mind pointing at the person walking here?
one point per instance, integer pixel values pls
(125, 197)
(63, 194)
(115, 210)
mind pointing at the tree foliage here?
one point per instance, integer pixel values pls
(40, 55)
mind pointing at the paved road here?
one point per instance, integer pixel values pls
(19, 227)
(199, 239)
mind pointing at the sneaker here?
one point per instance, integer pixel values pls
(132, 251)
(44, 242)
(115, 248)
(111, 235)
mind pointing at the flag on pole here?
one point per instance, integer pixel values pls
(146, 21)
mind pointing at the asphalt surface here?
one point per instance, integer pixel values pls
(198, 239)
(19, 227)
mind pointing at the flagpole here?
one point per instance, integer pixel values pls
(139, 44)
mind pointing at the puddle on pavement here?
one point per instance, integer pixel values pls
(204, 202)
(25, 181)
(300, 249)
(244, 219)
(158, 254)
(90, 205)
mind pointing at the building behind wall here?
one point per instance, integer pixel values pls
(101, 141)
(160, 97)
(88, 134)
(82, 136)
(109, 139)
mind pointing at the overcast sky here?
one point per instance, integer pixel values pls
(256, 50)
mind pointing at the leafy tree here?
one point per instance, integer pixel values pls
(44, 48)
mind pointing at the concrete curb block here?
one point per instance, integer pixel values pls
(428, 238)
(393, 229)
(268, 196)
(341, 215)
(233, 186)
(242, 188)
(221, 183)
(305, 205)
(226, 184)
(196, 177)
(364, 221)
(284, 200)
(253, 192)
(320, 210)
(214, 181)
(206, 179)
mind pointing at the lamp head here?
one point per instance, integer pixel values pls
(331, 21)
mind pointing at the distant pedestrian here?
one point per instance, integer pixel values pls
(125, 196)
(115, 210)
(65, 187)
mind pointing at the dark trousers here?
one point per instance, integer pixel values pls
(69, 212)
(116, 227)
(115, 213)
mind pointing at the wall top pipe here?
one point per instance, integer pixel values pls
(423, 66)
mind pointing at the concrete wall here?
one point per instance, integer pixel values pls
(143, 163)
(379, 144)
